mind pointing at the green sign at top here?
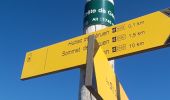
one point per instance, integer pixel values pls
(99, 12)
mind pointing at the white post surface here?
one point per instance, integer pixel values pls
(90, 26)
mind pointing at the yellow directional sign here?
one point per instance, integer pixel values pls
(140, 34)
(106, 79)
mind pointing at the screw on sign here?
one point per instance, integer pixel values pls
(29, 57)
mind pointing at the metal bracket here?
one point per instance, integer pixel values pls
(90, 79)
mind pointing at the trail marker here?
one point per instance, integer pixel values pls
(137, 35)
(100, 78)
(107, 85)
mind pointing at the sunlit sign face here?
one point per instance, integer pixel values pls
(140, 34)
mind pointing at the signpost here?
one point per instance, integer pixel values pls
(100, 78)
(141, 34)
(98, 15)
(106, 79)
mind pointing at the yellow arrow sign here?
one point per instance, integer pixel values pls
(143, 33)
(106, 79)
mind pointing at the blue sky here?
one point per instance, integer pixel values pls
(30, 24)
